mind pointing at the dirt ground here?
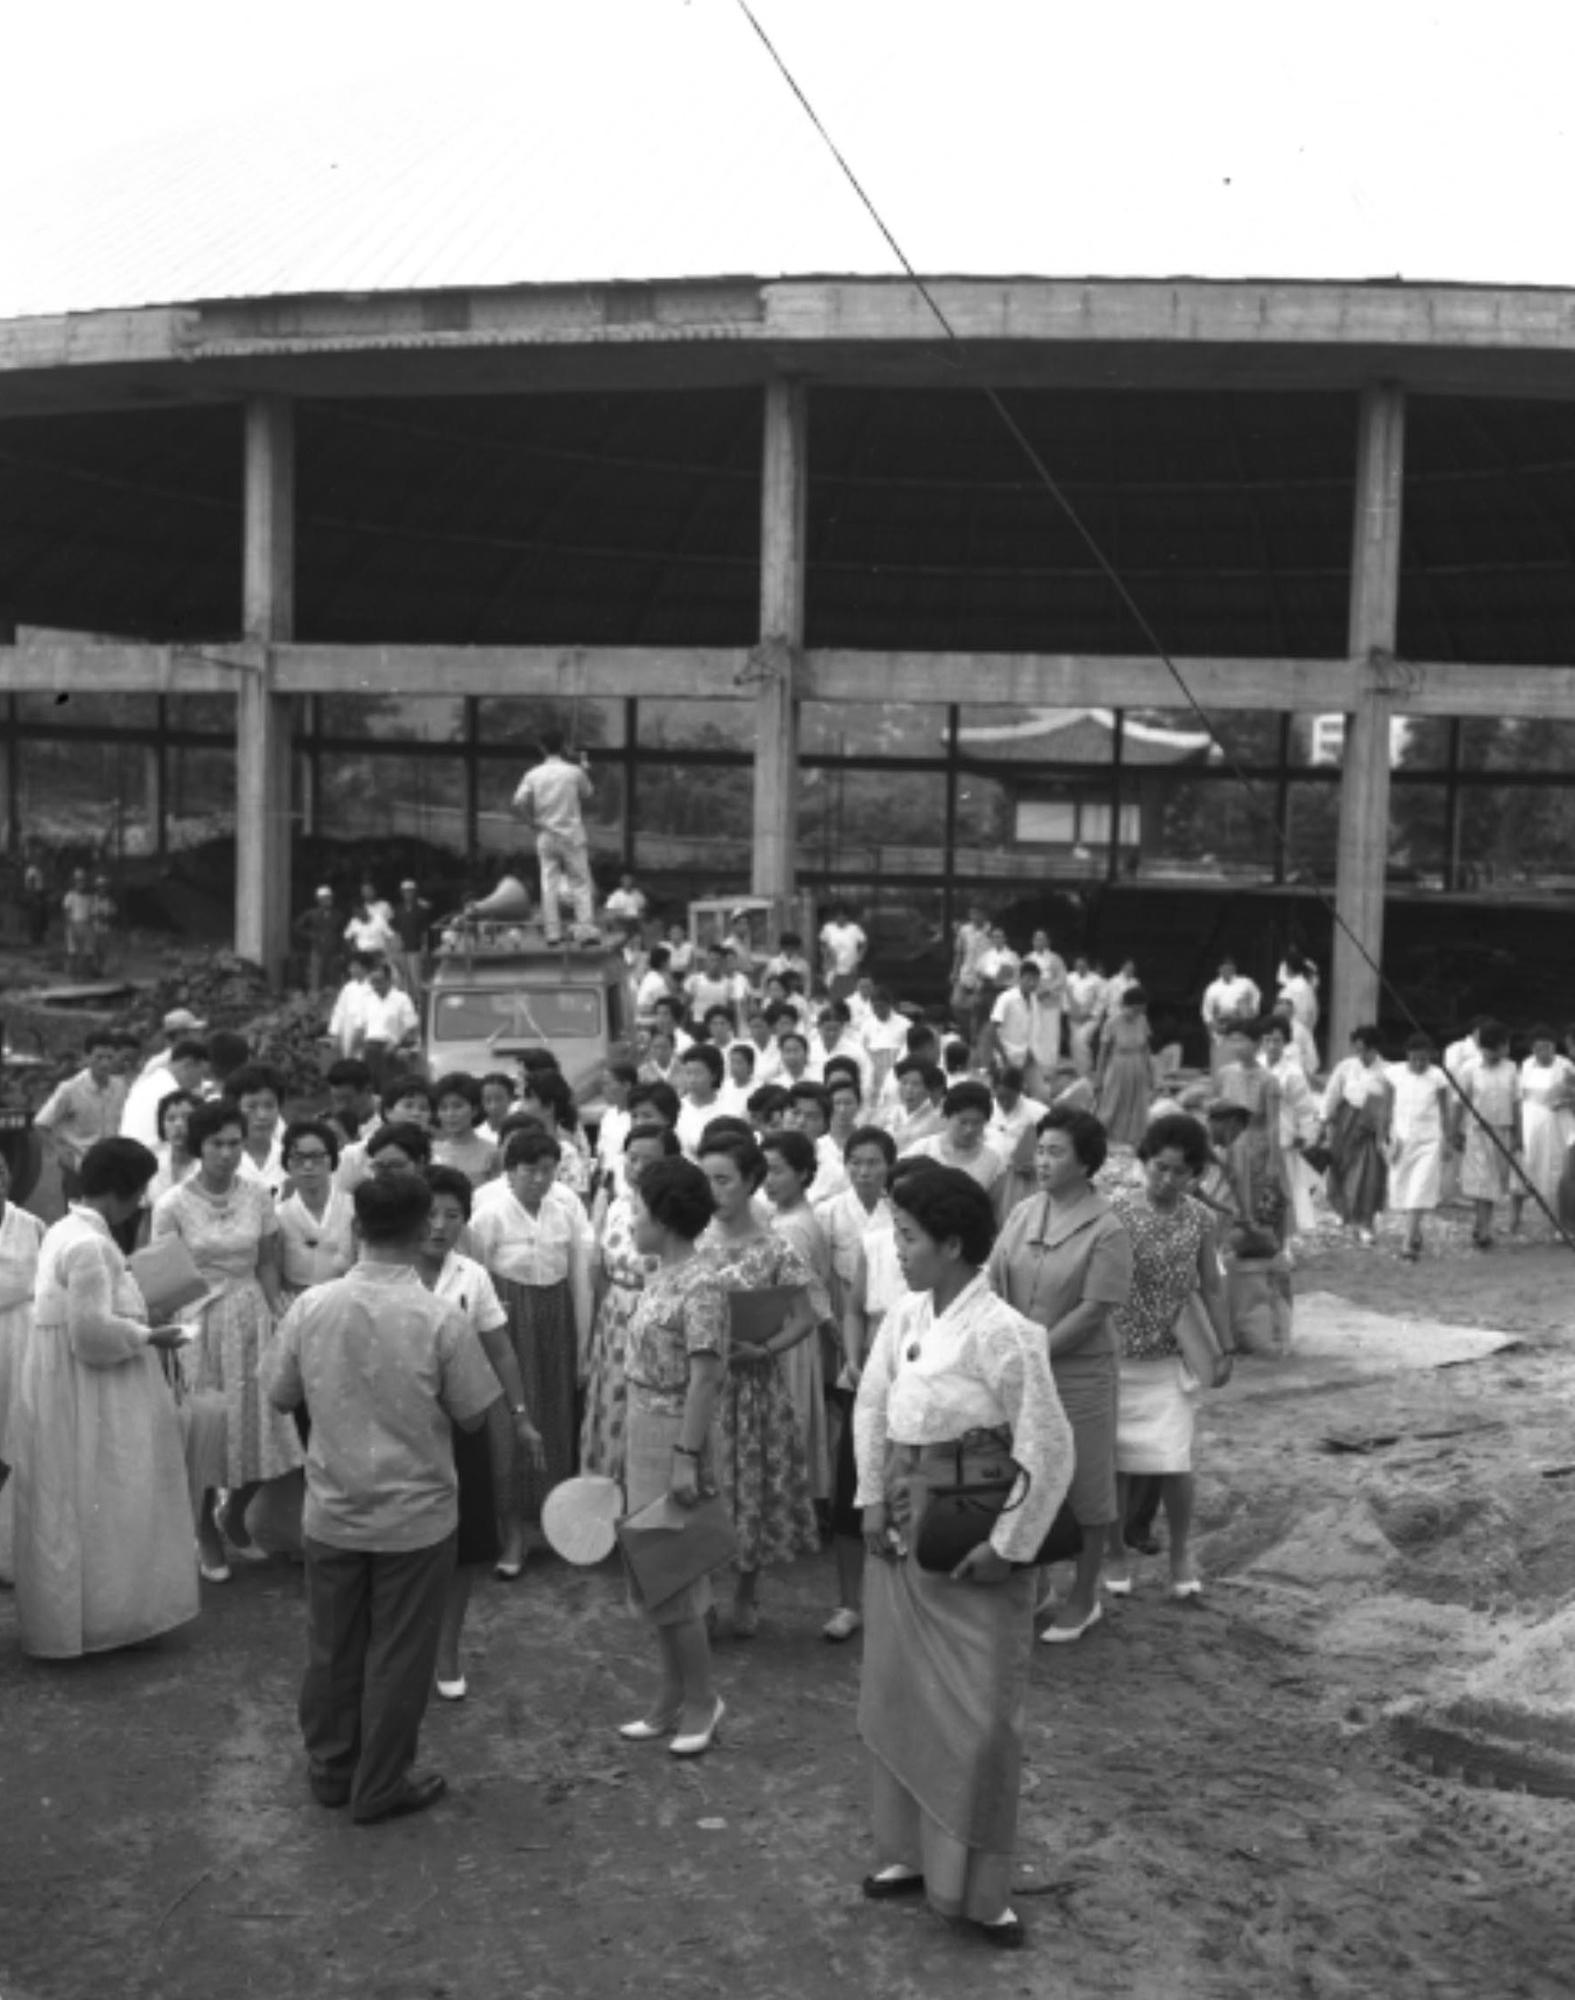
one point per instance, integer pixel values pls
(1214, 1807)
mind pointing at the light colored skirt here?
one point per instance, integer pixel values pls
(1548, 1135)
(941, 1712)
(1485, 1173)
(649, 1437)
(1154, 1427)
(234, 1332)
(1417, 1178)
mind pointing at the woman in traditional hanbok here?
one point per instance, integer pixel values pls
(1356, 1108)
(104, 1552)
(956, 1377)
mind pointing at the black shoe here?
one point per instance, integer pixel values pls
(1010, 1936)
(419, 1793)
(328, 1791)
(880, 1891)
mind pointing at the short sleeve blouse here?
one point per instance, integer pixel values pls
(1046, 1265)
(682, 1311)
(1165, 1246)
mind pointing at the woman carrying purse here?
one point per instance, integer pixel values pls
(956, 1380)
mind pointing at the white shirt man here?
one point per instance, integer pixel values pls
(346, 1023)
(998, 962)
(1231, 997)
(551, 799)
(1026, 1028)
(388, 1015)
(1085, 1003)
(372, 928)
(182, 1068)
(714, 987)
(884, 1033)
(842, 946)
(86, 1107)
(626, 902)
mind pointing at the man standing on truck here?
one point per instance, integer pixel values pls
(550, 799)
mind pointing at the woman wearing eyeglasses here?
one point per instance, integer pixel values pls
(315, 1217)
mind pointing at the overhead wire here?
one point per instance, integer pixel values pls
(1267, 818)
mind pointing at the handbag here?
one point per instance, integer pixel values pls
(961, 1515)
(666, 1547)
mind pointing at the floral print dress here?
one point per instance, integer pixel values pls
(606, 1393)
(761, 1464)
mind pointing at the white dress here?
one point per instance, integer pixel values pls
(21, 1234)
(1417, 1132)
(1548, 1115)
(105, 1555)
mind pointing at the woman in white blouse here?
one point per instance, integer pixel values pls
(536, 1242)
(316, 1217)
(955, 1378)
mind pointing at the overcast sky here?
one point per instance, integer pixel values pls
(168, 148)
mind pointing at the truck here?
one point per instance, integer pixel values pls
(497, 988)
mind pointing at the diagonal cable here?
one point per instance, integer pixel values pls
(1135, 611)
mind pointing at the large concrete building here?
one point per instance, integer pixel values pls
(335, 528)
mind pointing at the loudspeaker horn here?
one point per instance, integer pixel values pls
(509, 902)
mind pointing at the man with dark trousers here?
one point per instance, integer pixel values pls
(384, 1368)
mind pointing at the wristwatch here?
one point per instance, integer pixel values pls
(519, 1409)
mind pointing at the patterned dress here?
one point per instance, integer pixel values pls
(224, 1234)
(1165, 1245)
(1494, 1091)
(606, 1393)
(804, 1366)
(761, 1466)
(1154, 1417)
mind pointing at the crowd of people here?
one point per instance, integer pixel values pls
(827, 1257)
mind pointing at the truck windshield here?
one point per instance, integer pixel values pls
(555, 1014)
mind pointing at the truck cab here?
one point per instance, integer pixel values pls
(498, 988)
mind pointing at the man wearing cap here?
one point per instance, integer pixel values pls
(411, 919)
(318, 932)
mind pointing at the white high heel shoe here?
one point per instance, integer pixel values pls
(646, 1732)
(698, 1744)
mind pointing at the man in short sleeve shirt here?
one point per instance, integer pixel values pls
(384, 1368)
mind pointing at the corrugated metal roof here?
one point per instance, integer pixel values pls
(551, 141)
(603, 174)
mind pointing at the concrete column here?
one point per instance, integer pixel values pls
(262, 718)
(783, 517)
(1364, 782)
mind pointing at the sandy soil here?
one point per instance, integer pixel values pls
(1214, 1804)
